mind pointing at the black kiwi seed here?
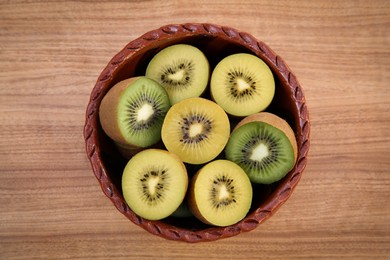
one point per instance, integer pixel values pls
(135, 104)
(269, 142)
(194, 119)
(217, 184)
(232, 81)
(185, 65)
(159, 173)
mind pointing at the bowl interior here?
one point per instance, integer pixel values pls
(132, 61)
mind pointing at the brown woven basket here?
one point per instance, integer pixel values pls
(216, 42)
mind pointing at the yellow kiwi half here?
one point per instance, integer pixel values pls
(196, 129)
(220, 193)
(183, 70)
(154, 183)
(242, 84)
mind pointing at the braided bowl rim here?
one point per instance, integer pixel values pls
(259, 48)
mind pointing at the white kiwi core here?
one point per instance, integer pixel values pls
(259, 152)
(223, 193)
(195, 129)
(179, 75)
(145, 112)
(152, 184)
(242, 85)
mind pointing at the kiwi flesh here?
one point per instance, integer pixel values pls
(220, 193)
(132, 112)
(196, 129)
(242, 84)
(262, 150)
(275, 121)
(154, 183)
(183, 70)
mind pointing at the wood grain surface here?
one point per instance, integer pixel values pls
(51, 53)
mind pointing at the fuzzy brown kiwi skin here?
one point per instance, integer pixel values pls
(128, 151)
(108, 110)
(275, 121)
(192, 202)
(183, 167)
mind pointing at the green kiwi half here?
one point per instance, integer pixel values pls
(262, 150)
(182, 69)
(154, 183)
(132, 112)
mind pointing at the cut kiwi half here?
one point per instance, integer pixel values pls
(183, 70)
(275, 121)
(154, 183)
(220, 193)
(196, 129)
(242, 84)
(132, 112)
(262, 150)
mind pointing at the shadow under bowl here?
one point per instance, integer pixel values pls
(216, 42)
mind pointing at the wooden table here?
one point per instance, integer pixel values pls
(51, 53)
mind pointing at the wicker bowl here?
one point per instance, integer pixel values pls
(216, 42)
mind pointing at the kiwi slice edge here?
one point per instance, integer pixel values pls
(154, 183)
(220, 193)
(242, 84)
(196, 129)
(132, 112)
(182, 69)
(262, 150)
